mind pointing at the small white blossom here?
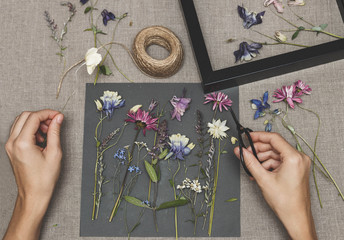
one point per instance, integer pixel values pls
(180, 186)
(217, 129)
(234, 140)
(135, 108)
(99, 105)
(92, 59)
(280, 37)
(254, 106)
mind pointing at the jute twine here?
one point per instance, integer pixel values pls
(161, 36)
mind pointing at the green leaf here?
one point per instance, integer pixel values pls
(135, 201)
(301, 28)
(203, 172)
(171, 204)
(63, 48)
(194, 165)
(151, 172)
(105, 70)
(154, 161)
(55, 225)
(87, 9)
(100, 32)
(163, 153)
(158, 172)
(318, 29)
(224, 152)
(232, 200)
(295, 34)
(98, 143)
(323, 26)
(291, 129)
(171, 182)
(88, 29)
(298, 147)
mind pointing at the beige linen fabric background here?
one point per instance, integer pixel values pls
(30, 72)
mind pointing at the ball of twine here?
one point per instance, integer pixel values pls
(161, 36)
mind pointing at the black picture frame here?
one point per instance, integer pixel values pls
(258, 69)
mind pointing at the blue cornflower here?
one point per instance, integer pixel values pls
(268, 127)
(261, 106)
(120, 154)
(137, 170)
(247, 51)
(250, 18)
(131, 169)
(107, 16)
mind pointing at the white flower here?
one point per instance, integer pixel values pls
(180, 187)
(99, 105)
(92, 59)
(196, 186)
(296, 2)
(187, 182)
(135, 108)
(280, 37)
(254, 106)
(217, 128)
(234, 140)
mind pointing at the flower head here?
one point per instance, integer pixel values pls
(135, 108)
(92, 59)
(138, 170)
(260, 105)
(246, 52)
(250, 18)
(143, 120)
(99, 105)
(196, 186)
(288, 94)
(296, 2)
(302, 87)
(107, 16)
(83, 1)
(120, 154)
(179, 147)
(152, 105)
(179, 105)
(220, 99)
(233, 140)
(280, 37)
(277, 4)
(217, 129)
(131, 169)
(111, 102)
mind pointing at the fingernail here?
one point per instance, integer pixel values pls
(59, 119)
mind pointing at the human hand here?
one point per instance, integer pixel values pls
(283, 177)
(36, 169)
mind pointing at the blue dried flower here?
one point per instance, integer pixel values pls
(112, 100)
(120, 154)
(250, 18)
(137, 170)
(131, 169)
(107, 16)
(83, 1)
(261, 105)
(268, 127)
(146, 202)
(246, 52)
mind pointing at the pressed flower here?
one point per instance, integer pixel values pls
(219, 99)
(135, 108)
(233, 140)
(246, 52)
(277, 4)
(143, 120)
(261, 105)
(280, 37)
(296, 2)
(288, 94)
(268, 127)
(302, 87)
(83, 1)
(111, 102)
(92, 59)
(120, 154)
(250, 18)
(179, 147)
(152, 105)
(138, 170)
(179, 105)
(277, 111)
(99, 105)
(180, 186)
(131, 169)
(217, 129)
(146, 202)
(107, 16)
(196, 186)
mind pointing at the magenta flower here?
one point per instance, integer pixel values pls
(220, 99)
(288, 94)
(302, 87)
(179, 105)
(143, 120)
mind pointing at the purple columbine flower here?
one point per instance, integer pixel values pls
(152, 105)
(250, 18)
(246, 52)
(179, 105)
(107, 16)
(288, 94)
(302, 87)
(261, 105)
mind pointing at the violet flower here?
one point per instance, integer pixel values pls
(111, 102)
(179, 105)
(261, 105)
(220, 100)
(246, 52)
(83, 1)
(302, 87)
(179, 146)
(152, 105)
(107, 16)
(288, 94)
(250, 18)
(143, 120)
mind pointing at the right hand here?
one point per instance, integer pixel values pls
(283, 176)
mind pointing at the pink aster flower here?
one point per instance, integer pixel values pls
(302, 87)
(220, 99)
(179, 105)
(143, 120)
(288, 94)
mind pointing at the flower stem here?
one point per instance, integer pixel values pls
(175, 198)
(216, 177)
(114, 210)
(333, 181)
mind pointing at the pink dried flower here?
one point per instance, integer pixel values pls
(220, 99)
(179, 105)
(288, 94)
(302, 87)
(143, 120)
(277, 4)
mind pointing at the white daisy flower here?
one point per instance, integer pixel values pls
(217, 129)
